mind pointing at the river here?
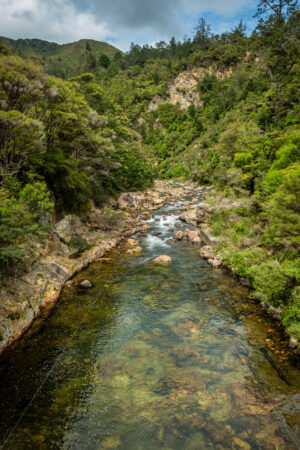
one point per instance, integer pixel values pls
(172, 357)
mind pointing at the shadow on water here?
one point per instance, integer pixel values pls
(172, 357)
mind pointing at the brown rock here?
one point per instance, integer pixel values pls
(207, 252)
(203, 212)
(215, 263)
(132, 242)
(163, 259)
(134, 251)
(129, 200)
(189, 216)
(178, 235)
(146, 215)
(194, 237)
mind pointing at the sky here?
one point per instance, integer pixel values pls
(119, 22)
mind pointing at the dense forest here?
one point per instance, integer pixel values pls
(68, 144)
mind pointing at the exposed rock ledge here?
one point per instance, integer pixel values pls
(53, 266)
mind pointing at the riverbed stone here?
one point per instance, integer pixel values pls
(145, 215)
(132, 242)
(85, 284)
(178, 236)
(135, 250)
(215, 262)
(162, 259)
(111, 442)
(293, 342)
(193, 236)
(189, 216)
(241, 443)
(207, 252)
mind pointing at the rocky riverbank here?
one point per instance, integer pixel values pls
(76, 242)
(200, 218)
(73, 244)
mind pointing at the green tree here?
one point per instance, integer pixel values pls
(202, 33)
(104, 61)
(23, 220)
(20, 142)
(279, 30)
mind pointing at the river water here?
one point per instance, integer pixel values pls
(172, 357)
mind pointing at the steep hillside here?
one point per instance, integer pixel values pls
(220, 110)
(64, 60)
(224, 111)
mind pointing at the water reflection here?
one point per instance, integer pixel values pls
(170, 357)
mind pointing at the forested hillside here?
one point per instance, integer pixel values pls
(68, 144)
(64, 60)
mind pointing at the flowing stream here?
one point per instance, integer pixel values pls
(151, 357)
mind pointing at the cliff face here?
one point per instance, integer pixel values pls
(183, 89)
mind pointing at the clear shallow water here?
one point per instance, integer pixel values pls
(171, 357)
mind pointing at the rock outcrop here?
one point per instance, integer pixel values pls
(183, 90)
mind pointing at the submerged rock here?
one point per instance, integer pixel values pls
(135, 250)
(163, 259)
(111, 442)
(86, 284)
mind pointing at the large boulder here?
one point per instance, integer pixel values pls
(178, 236)
(207, 237)
(189, 216)
(193, 236)
(203, 212)
(163, 259)
(129, 200)
(69, 226)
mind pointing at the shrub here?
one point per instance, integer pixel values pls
(22, 219)
(270, 282)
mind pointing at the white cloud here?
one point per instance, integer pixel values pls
(57, 21)
(116, 21)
